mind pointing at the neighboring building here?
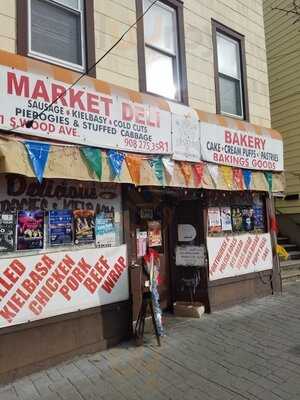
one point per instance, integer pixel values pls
(167, 138)
(283, 51)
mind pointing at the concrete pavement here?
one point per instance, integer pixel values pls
(251, 351)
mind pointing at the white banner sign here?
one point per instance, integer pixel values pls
(241, 149)
(46, 285)
(81, 115)
(238, 255)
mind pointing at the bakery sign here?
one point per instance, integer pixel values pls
(81, 115)
(242, 149)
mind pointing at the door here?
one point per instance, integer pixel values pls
(190, 277)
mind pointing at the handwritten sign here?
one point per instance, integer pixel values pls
(192, 256)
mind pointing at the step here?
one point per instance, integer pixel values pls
(290, 277)
(282, 239)
(290, 263)
(288, 246)
(294, 255)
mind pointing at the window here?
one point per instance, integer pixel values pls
(162, 65)
(57, 32)
(230, 72)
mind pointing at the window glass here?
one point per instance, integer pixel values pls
(160, 27)
(56, 32)
(230, 96)
(160, 73)
(228, 56)
(69, 3)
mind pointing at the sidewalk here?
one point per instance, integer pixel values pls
(248, 352)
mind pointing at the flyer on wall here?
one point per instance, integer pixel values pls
(105, 230)
(84, 222)
(7, 231)
(248, 219)
(259, 215)
(60, 227)
(30, 230)
(154, 234)
(226, 219)
(237, 219)
(214, 220)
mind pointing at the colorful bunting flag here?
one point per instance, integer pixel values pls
(186, 171)
(269, 178)
(214, 173)
(198, 170)
(238, 178)
(93, 158)
(134, 167)
(38, 156)
(247, 174)
(115, 159)
(169, 166)
(157, 165)
(227, 176)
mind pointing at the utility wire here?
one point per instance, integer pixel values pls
(29, 123)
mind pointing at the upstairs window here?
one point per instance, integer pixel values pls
(230, 72)
(57, 31)
(161, 49)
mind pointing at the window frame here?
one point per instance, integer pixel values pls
(223, 30)
(87, 39)
(179, 64)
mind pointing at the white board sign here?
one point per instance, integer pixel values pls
(185, 133)
(46, 285)
(222, 145)
(82, 115)
(190, 256)
(238, 255)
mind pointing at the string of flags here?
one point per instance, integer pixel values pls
(163, 167)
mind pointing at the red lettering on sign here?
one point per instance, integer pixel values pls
(19, 88)
(40, 91)
(90, 285)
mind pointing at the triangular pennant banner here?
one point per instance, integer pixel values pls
(247, 178)
(157, 165)
(93, 158)
(238, 178)
(38, 156)
(134, 167)
(115, 159)
(186, 171)
(198, 173)
(269, 177)
(169, 166)
(227, 176)
(214, 173)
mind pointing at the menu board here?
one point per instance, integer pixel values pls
(7, 231)
(30, 230)
(60, 227)
(214, 220)
(84, 223)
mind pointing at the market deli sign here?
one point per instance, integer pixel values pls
(238, 255)
(46, 285)
(236, 148)
(81, 115)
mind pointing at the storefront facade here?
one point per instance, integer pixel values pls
(93, 179)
